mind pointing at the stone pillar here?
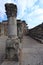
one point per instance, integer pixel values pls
(19, 28)
(12, 43)
(12, 27)
(11, 11)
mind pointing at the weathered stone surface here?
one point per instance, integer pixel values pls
(19, 30)
(11, 9)
(12, 47)
(12, 27)
(37, 32)
(10, 63)
(12, 44)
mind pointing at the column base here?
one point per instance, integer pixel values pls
(12, 49)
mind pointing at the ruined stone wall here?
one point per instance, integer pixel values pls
(37, 31)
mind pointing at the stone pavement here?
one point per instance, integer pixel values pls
(10, 63)
(32, 53)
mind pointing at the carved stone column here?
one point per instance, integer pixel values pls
(11, 11)
(12, 43)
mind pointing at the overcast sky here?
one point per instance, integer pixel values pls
(29, 10)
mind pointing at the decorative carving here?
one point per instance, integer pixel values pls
(12, 49)
(11, 9)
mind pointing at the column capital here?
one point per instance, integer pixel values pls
(11, 9)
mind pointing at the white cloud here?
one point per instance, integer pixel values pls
(30, 3)
(21, 4)
(41, 1)
(36, 12)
